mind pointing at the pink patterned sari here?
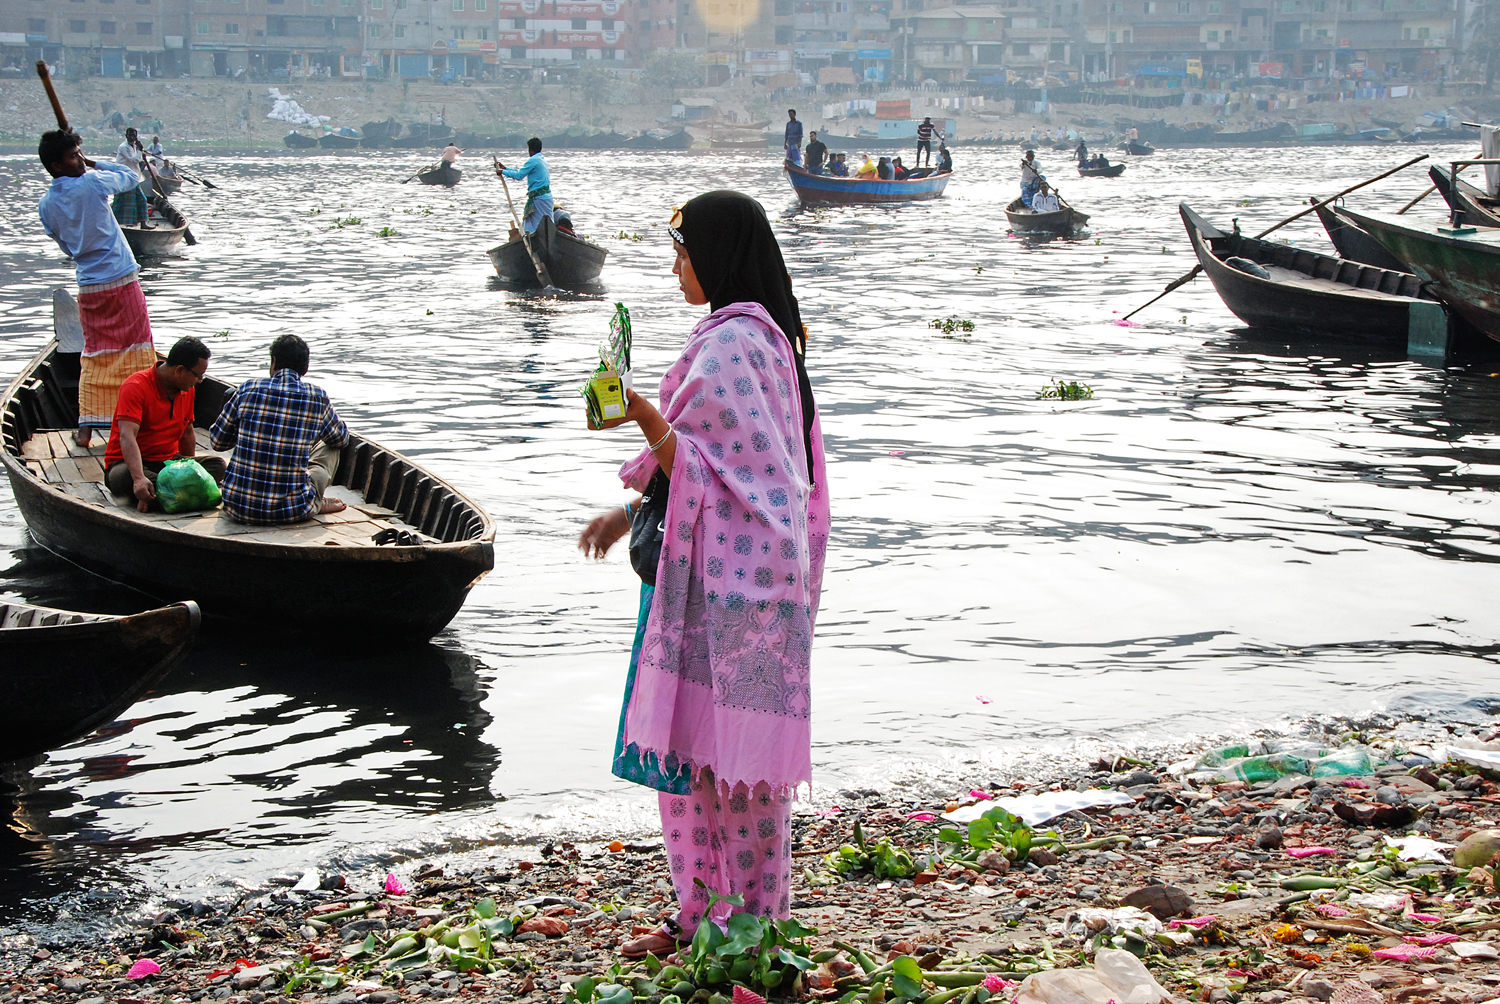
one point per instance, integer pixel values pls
(722, 680)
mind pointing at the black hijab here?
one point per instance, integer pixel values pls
(737, 260)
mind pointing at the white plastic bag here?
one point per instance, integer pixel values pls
(1117, 976)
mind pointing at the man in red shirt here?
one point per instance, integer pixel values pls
(153, 423)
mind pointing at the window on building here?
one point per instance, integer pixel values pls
(518, 52)
(77, 27)
(784, 35)
(608, 23)
(481, 4)
(1213, 34)
(1184, 7)
(518, 23)
(203, 28)
(1406, 34)
(1150, 7)
(841, 36)
(579, 53)
(458, 4)
(231, 27)
(1288, 6)
(458, 33)
(1424, 33)
(374, 31)
(1387, 5)
(1117, 8)
(1320, 6)
(1114, 36)
(399, 31)
(1229, 36)
(143, 27)
(1215, 7)
(1421, 4)
(106, 27)
(400, 4)
(377, 4)
(579, 23)
(483, 34)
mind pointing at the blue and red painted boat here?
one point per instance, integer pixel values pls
(825, 188)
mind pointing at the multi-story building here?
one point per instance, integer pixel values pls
(852, 33)
(564, 30)
(442, 39)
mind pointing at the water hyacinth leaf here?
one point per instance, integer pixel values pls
(741, 969)
(369, 945)
(792, 928)
(791, 958)
(906, 977)
(614, 993)
(471, 938)
(745, 931)
(980, 832)
(498, 927)
(486, 909)
(949, 835)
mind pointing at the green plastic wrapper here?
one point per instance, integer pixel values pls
(184, 486)
(604, 391)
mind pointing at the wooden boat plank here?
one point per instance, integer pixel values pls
(90, 468)
(1289, 277)
(57, 442)
(36, 449)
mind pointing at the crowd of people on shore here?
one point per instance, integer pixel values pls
(818, 159)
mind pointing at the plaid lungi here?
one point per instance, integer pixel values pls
(116, 343)
(129, 208)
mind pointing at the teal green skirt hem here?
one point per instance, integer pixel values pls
(670, 775)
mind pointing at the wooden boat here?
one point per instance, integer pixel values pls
(1354, 244)
(341, 139)
(1474, 204)
(297, 141)
(153, 238)
(1137, 147)
(1280, 131)
(324, 573)
(1461, 264)
(1023, 220)
(109, 662)
(572, 262)
(1308, 292)
(444, 174)
(168, 182)
(659, 139)
(1112, 171)
(378, 135)
(741, 140)
(815, 189)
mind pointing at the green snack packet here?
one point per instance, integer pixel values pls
(604, 391)
(184, 486)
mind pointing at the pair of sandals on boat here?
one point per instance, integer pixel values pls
(401, 538)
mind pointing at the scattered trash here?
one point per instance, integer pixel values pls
(1387, 902)
(1419, 848)
(309, 881)
(1405, 953)
(1478, 849)
(1038, 809)
(285, 109)
(1118, 977)
(1307, 852)
(393, 885)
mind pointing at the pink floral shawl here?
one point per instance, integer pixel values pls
(723, 680)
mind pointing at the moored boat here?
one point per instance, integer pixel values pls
(341, 139)
(110, 662)
(815, 189)
(325, 574)
(1137, 147)
(1475, 205)
(1112, 171)
(153, 238)
(1353, 244)
(1024, 220)
(297, 141)
(1307, 292)
(571, 261)
(659, 139)
(444, 174)
(1461, 263)
(168, 181)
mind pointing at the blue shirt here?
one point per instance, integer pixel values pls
(273, 423)
(794, 132)
(534, 171)
(75, 212)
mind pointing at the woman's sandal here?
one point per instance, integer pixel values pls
(650, 941)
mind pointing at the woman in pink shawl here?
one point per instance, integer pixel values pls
(717, 700)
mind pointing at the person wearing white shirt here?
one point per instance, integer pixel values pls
(1045, 200)
(155, 148)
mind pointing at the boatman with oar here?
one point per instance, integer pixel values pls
(538, 179)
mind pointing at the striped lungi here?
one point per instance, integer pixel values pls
(116, 343)
(129, 208)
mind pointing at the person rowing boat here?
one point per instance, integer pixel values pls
(539, 204)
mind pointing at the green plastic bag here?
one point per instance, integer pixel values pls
(184, 486)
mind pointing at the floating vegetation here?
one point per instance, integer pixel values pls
(948, 325)
(623, 236)
(1070, 390)
(348, 221)
(313, 212)
(387, 232)
(222, 334)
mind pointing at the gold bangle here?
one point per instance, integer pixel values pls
(662, 441)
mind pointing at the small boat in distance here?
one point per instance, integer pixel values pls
(1268, 284)
(1108, 171)
(815, 189)
(111, 661)
(571, 261)
(444, 174)
(1137, 147)
(344, 138)
(297, 141)
(1024, 220)
(155, 237)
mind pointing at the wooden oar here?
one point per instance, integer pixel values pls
(193, 178)
(420, 171)
(1419, 198)
(541, 270)
(1295, 216)
(41, 71)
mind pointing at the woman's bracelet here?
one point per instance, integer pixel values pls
(662, 441)
(626, 507)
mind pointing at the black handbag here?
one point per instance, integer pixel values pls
(648, 527)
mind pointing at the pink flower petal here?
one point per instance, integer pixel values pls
(1126, 323)
(142, 969)
(1199, 922)
(743, 996)
(1405, 953)
(1354, 782)
(1426, 918)
(982, 795)
(1307, 852)
(922, 817)
(1430, 939)
(1331, 910)
(983, 700)
(393, 885)
(898, 453)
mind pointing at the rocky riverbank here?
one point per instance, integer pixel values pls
(1234, 875)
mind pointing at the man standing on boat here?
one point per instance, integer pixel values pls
(1031, 176)
(538, 179)
(450, 154)
(793, 137)
(111, 307)
(816, 151)
(925, 132)
(286, 439)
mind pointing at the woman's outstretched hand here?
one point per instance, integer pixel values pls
(602, 532)
(636, 408)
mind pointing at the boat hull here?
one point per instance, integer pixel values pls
(147, 241)
(333, 141)
(1023, 220)
(110, 662)
(573, 263)
(1463, 198)
(1112, 171)
(1347, 312)
(407, 592)
(297, 141)
(826, 189)
(447, 175)
(1465, 269)
(1354, 244)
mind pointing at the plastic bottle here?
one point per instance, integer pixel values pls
(1266, 768)
(1343, 763)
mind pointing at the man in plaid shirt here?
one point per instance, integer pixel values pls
(286, 438)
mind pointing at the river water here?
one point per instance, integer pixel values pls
(1236, 531)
